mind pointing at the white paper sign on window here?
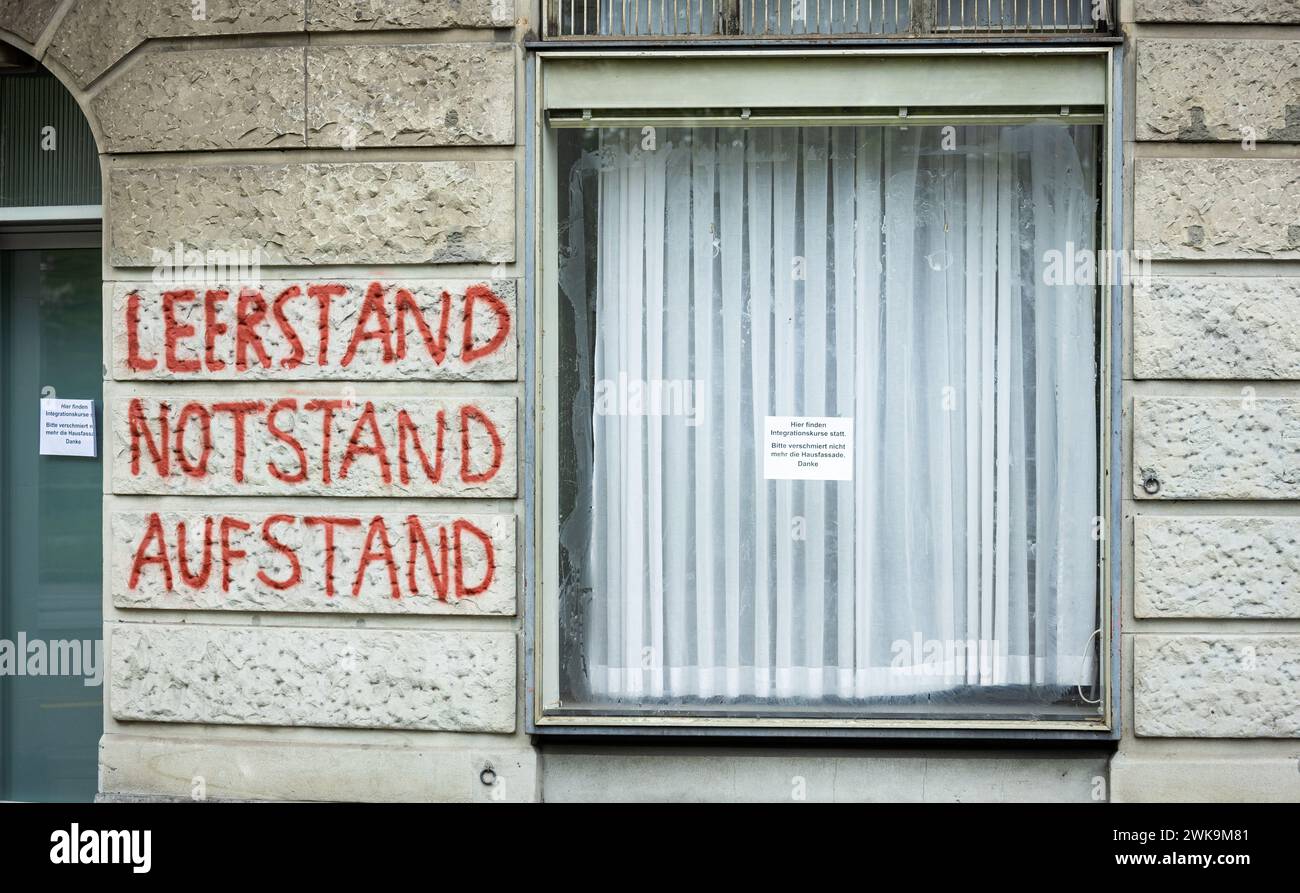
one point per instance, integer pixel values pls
(67, 427)
(808, 448)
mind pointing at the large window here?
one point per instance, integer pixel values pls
(827, 418)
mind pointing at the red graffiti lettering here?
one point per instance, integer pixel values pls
(228, 554)
(134, 361)
(328, 524)
(138, 429)
(295, 573)
(437, 347)
(239, 412)
(416, 540)
(406, 430)
(372, 307)
(324, 294)
(236, 324)
(467, 412)
(369, 554)
(437, 559)
(212, 328)
(199, 580)
(154, 534)
(285, 437)
(327, 408)
(294, 360)
(174, 331)
(461, 526)
(249, 314)
(197, 469)
(468, 352)
(376, 447)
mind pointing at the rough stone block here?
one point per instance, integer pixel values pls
(344, 213)
(97, 33)
(1216, 567)
(27, 18)
(278, 676)
(362, 95)
(313, 561)
(1190, 208)
(1218, 90)
(357, 15)
(1216, 447)
(1217, 327)
(350, 329)
(1208, 686)
(330, 445)
(1276, 12)
(205, 100)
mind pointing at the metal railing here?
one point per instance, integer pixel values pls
(695, 19)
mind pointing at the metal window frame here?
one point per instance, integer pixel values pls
(727, 23)
(37, 214)
(540, 546)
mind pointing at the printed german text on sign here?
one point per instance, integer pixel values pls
(68, 427)
(808, 448)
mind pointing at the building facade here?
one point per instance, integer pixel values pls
(397, 505)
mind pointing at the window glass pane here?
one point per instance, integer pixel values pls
(51, 618)
(1010, 15)
(754, 17)
(47, 152)
(930, 285)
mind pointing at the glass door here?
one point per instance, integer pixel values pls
(51, 618)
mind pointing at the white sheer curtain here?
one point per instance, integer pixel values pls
(894, 276)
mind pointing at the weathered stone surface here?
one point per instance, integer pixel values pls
(357, 15)
(206, 99)
(327, 445)
(277, 676)
(1220, 567)
(374, 329)
(1206, 686)
(1217, 447)
(271, 768)
(360, 213)
(1277, 12)
(27, 18)
(1208, 90)
(96, 33)
(293, 562)
(1177, 777)
(590, 774)
(1188, 208)
(1216, 327)
(1192, 208)
(363, 95)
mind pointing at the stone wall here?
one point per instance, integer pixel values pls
(312, 568)
(1211, 633)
